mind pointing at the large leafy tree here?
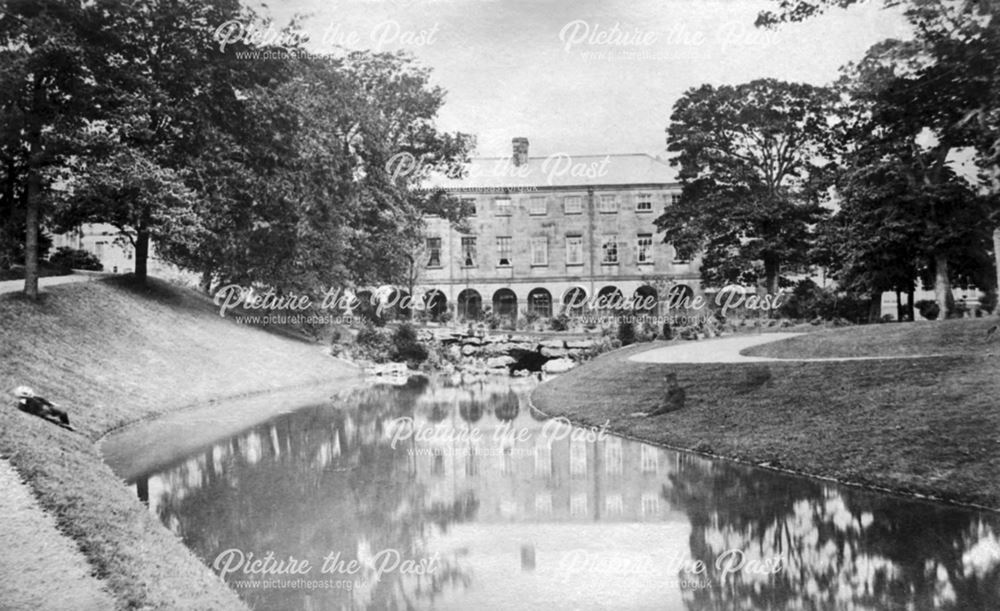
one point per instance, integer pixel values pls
(173, 92)
(305, 198)
(750, 157)
(948, 79)
(48, 94)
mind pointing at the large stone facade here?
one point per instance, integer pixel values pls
(546, 231)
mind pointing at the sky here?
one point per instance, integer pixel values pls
(587, 76)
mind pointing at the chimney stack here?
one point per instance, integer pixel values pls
(520, 156)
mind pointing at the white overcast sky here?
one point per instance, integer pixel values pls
(508, 72)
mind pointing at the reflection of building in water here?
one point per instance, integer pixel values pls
(523, 469)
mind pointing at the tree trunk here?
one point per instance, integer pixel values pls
(32, 193)
(31, 237)
(206, 282)
(942, 285)
(910, 314)
(772, 271)
(996, 255)
(141, 255)
(900, 313)
(875, 307)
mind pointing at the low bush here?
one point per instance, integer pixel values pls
(928, 308)
(73, 258)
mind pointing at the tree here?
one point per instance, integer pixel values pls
(952, 69)
(901, 131)
(48, 93)
(304, 198)
(749, 158)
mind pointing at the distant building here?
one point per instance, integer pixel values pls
(101, 240)
(549, 232)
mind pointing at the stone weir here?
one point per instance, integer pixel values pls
(503, 353)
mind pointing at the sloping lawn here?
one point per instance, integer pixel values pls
(114, 354)
(929, 426)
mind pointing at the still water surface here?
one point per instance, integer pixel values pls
(479, 504)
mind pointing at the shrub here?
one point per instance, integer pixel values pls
(928, 308)
(374, 344)
(626, 333)
(559, 323)
(72, 258)
(989, 301)
(406, 346)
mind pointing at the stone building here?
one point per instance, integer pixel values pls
(554, 231)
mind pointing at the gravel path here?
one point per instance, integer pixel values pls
(16, 286)
(727, 350)
(40, 568)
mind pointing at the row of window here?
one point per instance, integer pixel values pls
(607, 203)
(610, 248)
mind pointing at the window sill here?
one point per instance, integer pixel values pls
(580, 264)
(608, 263)
(539, 265)
(435, 267)
(643, 211)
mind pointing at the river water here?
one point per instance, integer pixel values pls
(437, 494)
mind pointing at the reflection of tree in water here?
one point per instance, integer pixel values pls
(309, 484)
(505, 407)
(841, 548)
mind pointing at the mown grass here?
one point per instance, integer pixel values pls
(113, 354)
(927, 426)
(955, 337)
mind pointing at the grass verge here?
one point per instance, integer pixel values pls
(114, 354)
(925, 426)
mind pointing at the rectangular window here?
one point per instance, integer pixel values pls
(578, 457)
(650, 504)
(543, 460)
(609, 203)
(677, 258)
(574, 250)
(572, 204)
(578, 505)
(536, 206)
(644, 248)
(433, 252)
(469, 205)
(609, 249)
(675, 198)
(503, 206)
(503, 251)
(644, 202)
(540, 251)
(614, 505)
(648, 456)
(613, 462)
(99, 249)
(468, 251)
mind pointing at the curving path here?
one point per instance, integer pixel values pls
(16, 286)
(728, 349)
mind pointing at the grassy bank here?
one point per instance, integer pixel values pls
(928, 426)
(115, 354)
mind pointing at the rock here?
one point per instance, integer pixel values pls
(552, 343)
(469, 350)
(520, 339)
(496, 339)
(495, 349)
(558, 366)
(554, 352)
(455, 352)
(472, 341)
(580, 344)
(387, 369)
(498, 362)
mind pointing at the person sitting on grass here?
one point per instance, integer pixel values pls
(38, 406)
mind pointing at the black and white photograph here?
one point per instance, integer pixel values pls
(499, 305)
